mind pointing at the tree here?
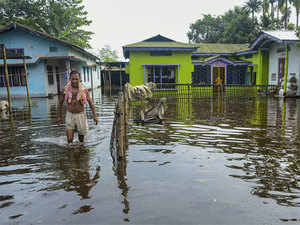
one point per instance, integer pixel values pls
(272, 7)
(209, 29)
(62, 19)
(286, 13)
(106, 54)
(269, 23)
(234, 27)
(266, 7)
(239, 27)
(296, 4)
(253, 6)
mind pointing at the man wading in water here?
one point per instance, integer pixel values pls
(76, 96)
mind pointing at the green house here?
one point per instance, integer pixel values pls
(165, 61)
(159, 60)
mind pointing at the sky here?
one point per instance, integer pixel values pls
(121, 22)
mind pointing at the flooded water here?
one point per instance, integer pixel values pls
(212, 161)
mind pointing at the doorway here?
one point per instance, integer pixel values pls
(218, 79)
(57, 80)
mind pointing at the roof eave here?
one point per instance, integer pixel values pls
(264, 35)
(16, 25)
(126, 50)
(214, 53)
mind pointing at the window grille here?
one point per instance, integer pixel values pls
(273, 77)
(201, 75)
(50, 75)
(16, 76)
(236, 75)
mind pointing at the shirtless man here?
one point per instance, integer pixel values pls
(76, 96)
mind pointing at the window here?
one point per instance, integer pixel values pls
(53, 49)
(201, 75)
(16, 76)
(273, 77)
(50, 75)
(13, 52)
(161, 74)
(161, 53)
(237, 75)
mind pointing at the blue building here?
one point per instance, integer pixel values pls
(51, 60)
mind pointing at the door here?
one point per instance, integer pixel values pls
(57, 80)
(218, 79)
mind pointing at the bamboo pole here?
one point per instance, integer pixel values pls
(286, 69)
(26, 82)
(6, 78)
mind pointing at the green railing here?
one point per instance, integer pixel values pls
(197, 90)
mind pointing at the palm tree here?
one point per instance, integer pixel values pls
(272, 7)
(253, 6)
(286, 13)
(280, 4)
(265, 7)
(296, 4)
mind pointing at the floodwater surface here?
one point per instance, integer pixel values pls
(212, 161)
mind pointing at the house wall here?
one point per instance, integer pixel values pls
(273, 66)
(36, 80)
(260, 63)
(33, 45)
(293, 63)
(37, 47)
(137, 59)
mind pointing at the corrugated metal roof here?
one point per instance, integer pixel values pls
(284, 35)
(29, 29)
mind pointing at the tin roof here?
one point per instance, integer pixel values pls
(284, 35)
(44, 35)
(278, 36)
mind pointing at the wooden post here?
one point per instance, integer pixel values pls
(122, 130)
(7, 78)
(109, 83)
(121, 77)
(26, 83)
(110, 78)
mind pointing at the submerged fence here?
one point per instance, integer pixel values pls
(197, 90)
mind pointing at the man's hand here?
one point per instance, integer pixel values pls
(96, 120)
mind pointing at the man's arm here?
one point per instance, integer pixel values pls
(92, 106)
(59, 108)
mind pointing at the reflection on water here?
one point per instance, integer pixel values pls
(212, 161)
(258, 137)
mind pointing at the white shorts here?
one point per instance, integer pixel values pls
(77, 121)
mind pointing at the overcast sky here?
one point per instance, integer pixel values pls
(121, 22)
